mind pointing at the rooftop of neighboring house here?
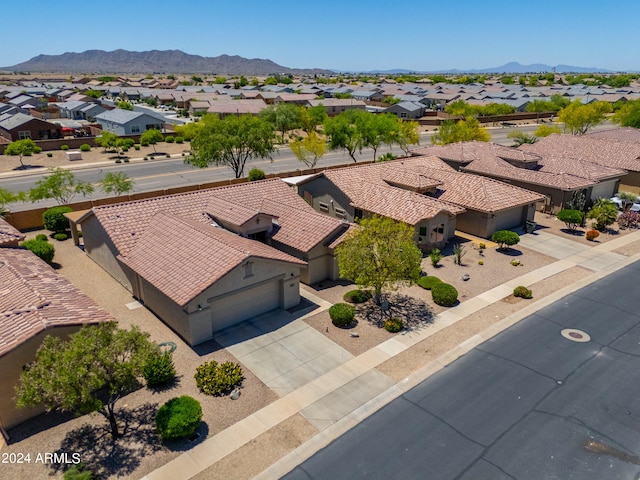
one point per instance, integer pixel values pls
(9, 235)
(36, 298)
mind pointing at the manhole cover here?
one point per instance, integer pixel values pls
(575, 335)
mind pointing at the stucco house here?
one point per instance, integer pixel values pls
(208, 259)
(127, 122)
(21, 126)
(35, 301)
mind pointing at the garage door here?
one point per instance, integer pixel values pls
(509, 219)
(250, 303)
(603, 190)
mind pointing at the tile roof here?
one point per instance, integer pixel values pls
(9, 234)
(34, 297)
(182, 258)
(626, 134)
(299, 226)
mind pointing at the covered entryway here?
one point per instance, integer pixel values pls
(248, 303)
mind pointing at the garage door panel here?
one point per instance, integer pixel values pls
(249, 303)
(509, 219)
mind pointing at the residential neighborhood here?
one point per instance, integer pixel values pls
(248, 294)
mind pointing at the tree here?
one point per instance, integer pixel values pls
(579, 118)
(520, 138)
(283, 117)
(151, 136)
(309, 149)
(461, 131)
(125, 105)
(505, 238)
(256, 174)
(89, 372)
(376, 129)
(407, 134)
(381, 254)
(571, 218)
(61, 185)
(343, 131)
(22, 148)
(107, 140)
(6, 198)
(604, 213)
(628, 115)
(312, 117)
(232, 142)
(117, 183)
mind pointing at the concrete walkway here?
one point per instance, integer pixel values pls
(340, 398)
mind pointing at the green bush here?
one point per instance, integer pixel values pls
(522, 292)
(49, 154)
(505, 238)
(444, 294)
(54, 219)
(435, 256)
(37, 149)
(44, 250)
(118, 160)
(85, 147)
(342, 314)
(393, 325)
(179, 417)
(144, 144)
(215, 379)
(61, 237)
(64, 147)
(169, 139)
(179, 139)
(571, 218)
(128, 143)
(256, 174)
(159, 369)
(78, 472)
(42, 237)
(136, 147)
(357, 296)
(428, 282)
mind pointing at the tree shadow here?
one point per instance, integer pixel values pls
(107, 457)
(184, 444)
(413, 312)
(568, 231)
(167, 387)
(510, 252)
(27, 167)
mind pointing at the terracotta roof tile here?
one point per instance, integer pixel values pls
(626, 134)
(182, 258)
(33, 298)
(9, 234)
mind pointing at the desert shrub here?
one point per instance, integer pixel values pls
(61, 237)
(118, 160)
(78, 472)
(480, 262)
(49, 154)
(54, 219)
(522, 292)
(159, 369)
(37, 149)
(64, 147)
(168, 155)
(42, 249)
(603, 213)
(458, 253)
(125, 149)
(342, 314)
(435, 256)
(144, 144)
(571, 218)
(428, 282)
(357, 296)
(505, 238)
(136, 147)
(169, 139)
(128, 143)
(85, 147)
(591, 235)
(515, 263)
(393, 325)
(179, 417)
(444, 294)
(629, 219)
(216, 379)
(179, 139)
(42, 237)
(256, 174)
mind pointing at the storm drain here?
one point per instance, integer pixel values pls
(575, 335)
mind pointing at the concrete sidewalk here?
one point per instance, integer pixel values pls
(337, 400)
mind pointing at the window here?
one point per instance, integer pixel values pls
(135, 128)
(423, 231)
(324, 207)
(24, 134)
(340, 213)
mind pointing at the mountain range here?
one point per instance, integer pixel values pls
(155, 61)
(511, 67)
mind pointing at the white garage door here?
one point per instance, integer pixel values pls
(603, 190)
(509, 219)
(250, 303)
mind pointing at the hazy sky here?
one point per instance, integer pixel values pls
(423, 35)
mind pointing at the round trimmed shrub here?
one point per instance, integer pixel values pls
(159, 369)
(342, 314)
(428, 282)
(85, 147)
(42, 237)
(393, 325)
(444, 294)
(256, 174)
(49, 154)
(357, 296)
(54, 219)
(41, 249)
(522, 292)
(136, 147)
(144, 144)
(37, 149)
(169, 139)
(179, 417)
(179, 139)
(215, 379)
(78, 472)
(591, 235)
(64, 147)
(128, 142)
(61, 237)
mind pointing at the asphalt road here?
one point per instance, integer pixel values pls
(527, 405)
(168, 173)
